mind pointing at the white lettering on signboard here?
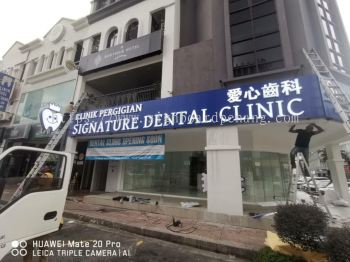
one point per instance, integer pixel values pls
(238, 105)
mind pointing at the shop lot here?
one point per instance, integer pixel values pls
(140, 248)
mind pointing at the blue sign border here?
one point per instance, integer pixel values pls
(300, 96)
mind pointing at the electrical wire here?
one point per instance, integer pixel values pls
(182, 230)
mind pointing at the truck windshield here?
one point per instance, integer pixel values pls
(19, 175)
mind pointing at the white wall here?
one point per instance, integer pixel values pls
(142, 12)
(113, 176)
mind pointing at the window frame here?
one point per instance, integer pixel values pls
(128, 28)
(248, 69)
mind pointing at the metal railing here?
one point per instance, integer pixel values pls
(141, 94)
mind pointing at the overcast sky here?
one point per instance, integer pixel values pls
(26, 20)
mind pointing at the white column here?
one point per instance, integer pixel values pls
(145, 22)
(39, 66)
(69, 54)
(103, 41)
(336, 166)
(170, 43)
(29, 69)
(223, 171)
(87, 44)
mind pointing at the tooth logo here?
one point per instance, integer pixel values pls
(51, 118)
(6, 80)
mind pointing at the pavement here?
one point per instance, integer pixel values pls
(99, 243)
(214, 237)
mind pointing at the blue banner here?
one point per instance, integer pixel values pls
(6, 85)
(260, 103)
(148, 147)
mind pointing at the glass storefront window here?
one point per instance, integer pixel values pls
(31, 102)
(178, 174)
(266, 176)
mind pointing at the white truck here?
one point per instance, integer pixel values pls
(31, 206)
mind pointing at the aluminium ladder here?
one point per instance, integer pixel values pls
(55, 139)
(335, 93)
(302, 169)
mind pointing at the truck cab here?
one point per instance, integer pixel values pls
(31, 203)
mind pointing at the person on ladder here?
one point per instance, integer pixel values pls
(67, 112)
(302, 142)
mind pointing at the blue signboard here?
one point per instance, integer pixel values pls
(149, 147)
(259, 103)
(6, 85)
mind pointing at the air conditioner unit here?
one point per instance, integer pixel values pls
(5, 116)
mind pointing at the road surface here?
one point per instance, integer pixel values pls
(79, 241)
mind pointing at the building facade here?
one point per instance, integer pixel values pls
(162, 62)
(42, 81)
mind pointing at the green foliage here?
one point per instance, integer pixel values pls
(337, 245)
(268, 255)
(301, 225)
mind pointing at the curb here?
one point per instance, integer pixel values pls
(179, 239)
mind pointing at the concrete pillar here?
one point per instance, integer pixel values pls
(30, 69)
(170, 43)
(145, 23)
(103, 41)
(336, 166)
(223, 171)
(87, 44)
(39, 67)
(69, 54)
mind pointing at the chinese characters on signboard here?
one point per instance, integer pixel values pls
(270, 90)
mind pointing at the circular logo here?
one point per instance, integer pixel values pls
(15, 244)
(18, 248)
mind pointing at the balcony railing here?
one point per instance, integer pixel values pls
(141, 94)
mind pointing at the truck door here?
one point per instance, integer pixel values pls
(31, 206)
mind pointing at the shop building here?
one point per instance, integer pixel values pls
(160, 71)
(42, 83)
(206, 45)
(12, 69)
(126, 57)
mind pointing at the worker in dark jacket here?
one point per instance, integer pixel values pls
(68, 110)
(303, 140)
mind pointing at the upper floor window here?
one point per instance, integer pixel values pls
(78, 51)
(101, 4)
(41, 64)
(112, 38)
(61, 56)
(95, 44)
(132, 30)
(329, 29)
(158, 19)
(255, 37)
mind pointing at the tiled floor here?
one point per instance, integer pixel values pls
(248, 238)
